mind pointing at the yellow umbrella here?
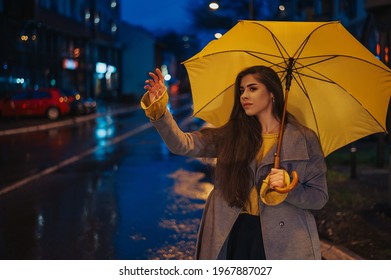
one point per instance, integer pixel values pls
(339, 89)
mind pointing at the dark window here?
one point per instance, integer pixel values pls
(41, 95)
(19, 96)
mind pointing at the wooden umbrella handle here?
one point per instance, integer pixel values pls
(295, 180)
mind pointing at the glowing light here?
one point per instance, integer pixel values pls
(214, 5)
(76, 52)
(113, 28)
(87, 15)
(100, 67)
(281, 8)
(111, 69)
(218, 35)
(96, 18)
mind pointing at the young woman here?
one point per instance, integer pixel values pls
(237, 222)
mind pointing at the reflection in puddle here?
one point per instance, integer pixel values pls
(189, 194)
(188, 184)
(181, 250)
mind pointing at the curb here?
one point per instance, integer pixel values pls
(334, 252)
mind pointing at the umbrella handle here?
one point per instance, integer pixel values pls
(295, 180)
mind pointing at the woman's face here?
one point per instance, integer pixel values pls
(256, 100)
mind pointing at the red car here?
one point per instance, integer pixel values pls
(43, 102)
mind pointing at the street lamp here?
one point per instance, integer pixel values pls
(251, 9)
(214, 5)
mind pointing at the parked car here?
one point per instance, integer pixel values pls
(75, 101)
(50, 102)
(78, 104)
(3, 96)
(90, 105)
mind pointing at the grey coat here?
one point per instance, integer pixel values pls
(289, 229)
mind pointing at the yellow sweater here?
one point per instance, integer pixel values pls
(252, 205)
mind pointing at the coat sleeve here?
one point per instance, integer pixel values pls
(182, 143)
(311, 192)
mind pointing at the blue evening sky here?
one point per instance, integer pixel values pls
(157, 15)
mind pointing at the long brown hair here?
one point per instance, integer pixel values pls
(238, 141)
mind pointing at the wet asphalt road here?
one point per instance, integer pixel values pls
(119, 193)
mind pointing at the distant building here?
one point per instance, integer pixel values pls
(139, 56)
(378, 28)
(56, 43)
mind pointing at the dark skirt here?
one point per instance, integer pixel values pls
(245, 240)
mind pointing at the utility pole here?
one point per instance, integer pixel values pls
(251, 9)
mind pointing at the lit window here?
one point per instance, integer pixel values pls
(113, 28)
(96, 18)
(87, 15)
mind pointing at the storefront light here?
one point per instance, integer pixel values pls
(100, 68)
(70, 64)
(111, 69)
(87, 15)
(113, 28)
(96, 18)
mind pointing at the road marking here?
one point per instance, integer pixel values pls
(75, 158)
(72, 121)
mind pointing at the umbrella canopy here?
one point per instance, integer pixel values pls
(339, 89)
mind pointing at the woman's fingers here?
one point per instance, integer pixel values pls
(154, 77)
(160, 75)
(155, 85)
(277, 178)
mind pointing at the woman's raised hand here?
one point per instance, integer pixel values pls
(155, 86)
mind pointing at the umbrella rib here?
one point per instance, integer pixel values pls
(276, 41)
(302, 87)
(302, 46)
(228, 51)
(263, 59)
(333, 56)
(214, 98)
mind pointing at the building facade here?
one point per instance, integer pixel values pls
(65, 44)
(139, 57)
